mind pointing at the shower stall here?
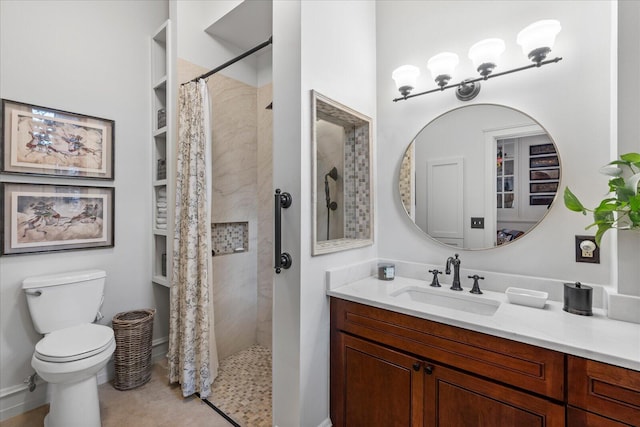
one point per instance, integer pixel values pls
(242, 237)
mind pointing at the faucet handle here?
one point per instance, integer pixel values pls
(476, 285)
(434, 282)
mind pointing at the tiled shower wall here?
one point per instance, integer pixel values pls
(265, 215)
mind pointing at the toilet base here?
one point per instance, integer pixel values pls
(74, 404)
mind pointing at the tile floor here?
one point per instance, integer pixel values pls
(242, 390)
(243, 387)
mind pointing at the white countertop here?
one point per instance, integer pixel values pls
(594, 337)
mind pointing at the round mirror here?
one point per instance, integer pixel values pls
(479, 176)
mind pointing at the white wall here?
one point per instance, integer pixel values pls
(337, 60)
(198, 47)
(89, 57)
(629, 130)
(571, 99)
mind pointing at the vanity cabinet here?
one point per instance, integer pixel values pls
(392, 369)
(600, 390)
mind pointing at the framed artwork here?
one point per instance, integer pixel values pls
(44, 217)
(543, 187)
(544, 174)
(542, 149)
(541, 199)
(44, 141)
(543, 162)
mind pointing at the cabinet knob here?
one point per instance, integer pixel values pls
(416, 366)
(428, 369)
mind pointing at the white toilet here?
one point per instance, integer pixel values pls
(73, 350)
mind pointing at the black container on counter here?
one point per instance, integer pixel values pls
(578, 299)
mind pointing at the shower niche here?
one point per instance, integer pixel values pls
(342, 183)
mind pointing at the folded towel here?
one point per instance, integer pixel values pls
(161, 204)
(162, 191)
(161, 226)
(162, 209)
(161, 220)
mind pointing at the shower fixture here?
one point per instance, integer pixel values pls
(331, 206)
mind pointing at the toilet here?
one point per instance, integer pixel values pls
(73, 350)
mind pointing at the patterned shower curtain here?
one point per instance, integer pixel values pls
(193, 358)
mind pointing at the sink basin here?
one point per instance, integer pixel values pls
(456, 301)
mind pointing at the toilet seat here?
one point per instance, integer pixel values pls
(74, 343)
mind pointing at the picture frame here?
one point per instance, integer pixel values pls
(45, 218)
(38, 140)
(543, 187)
(538, 149)
(544, 174)
(541, 199)
(543, 162)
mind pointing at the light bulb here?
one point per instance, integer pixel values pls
(538, 39)
(405, 78)
(442, 67)
(485, 55)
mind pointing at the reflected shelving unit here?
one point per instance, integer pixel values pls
(506, 175)
(162, 135)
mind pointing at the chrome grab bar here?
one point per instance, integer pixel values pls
(282, 259)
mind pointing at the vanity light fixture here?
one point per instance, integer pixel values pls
(536, 40)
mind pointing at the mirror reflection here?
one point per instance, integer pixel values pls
(479, 176)
(342, 201)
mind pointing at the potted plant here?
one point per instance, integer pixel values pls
(621, 208)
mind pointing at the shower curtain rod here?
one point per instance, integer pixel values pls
(233, 61)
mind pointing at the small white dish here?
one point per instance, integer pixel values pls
(527, 297)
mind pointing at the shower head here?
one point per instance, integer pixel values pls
(333, 173)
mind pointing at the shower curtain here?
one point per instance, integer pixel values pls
(192, 356)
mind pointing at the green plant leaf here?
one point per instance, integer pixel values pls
(572, 202)
(602, 228)
(631, 157)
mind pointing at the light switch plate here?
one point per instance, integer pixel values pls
(591, 257)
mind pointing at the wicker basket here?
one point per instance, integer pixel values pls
(132, 358)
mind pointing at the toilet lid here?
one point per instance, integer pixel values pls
(74, 343)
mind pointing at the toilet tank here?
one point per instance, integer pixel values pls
(58, 301)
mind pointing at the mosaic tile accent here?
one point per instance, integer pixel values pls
(406, 172)
(358, 201)
(242, 389)
(229, 237)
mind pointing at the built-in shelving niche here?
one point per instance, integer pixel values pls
(229, 238)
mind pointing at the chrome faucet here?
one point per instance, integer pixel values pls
(455, 286)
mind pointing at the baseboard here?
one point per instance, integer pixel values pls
(17, 399)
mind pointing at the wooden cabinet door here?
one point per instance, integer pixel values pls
(373, 385)
(454, 399)
(610, 391)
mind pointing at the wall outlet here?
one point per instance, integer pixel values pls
(477, 222)
(586, 250)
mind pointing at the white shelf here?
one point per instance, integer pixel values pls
(162, 88)
(161, 280)
(161, 84)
